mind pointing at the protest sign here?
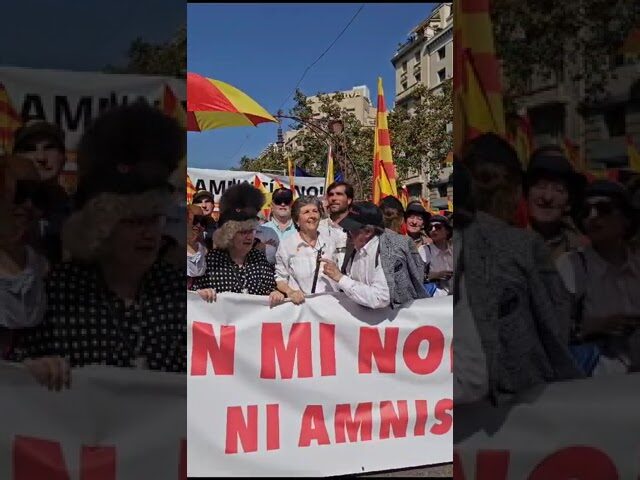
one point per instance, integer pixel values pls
(112, 424)
(324, 388)
(556, 432)
(216, 181)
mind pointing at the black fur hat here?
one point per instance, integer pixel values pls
(242, 196)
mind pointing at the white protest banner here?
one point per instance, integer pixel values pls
(582, 429)
(216, 181)
(323, 388)
(112, 424)
(73, 99)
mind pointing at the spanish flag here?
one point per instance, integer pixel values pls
(384, 171)
(477, 81)
(9, 122)
(404, 197)
(634, 155)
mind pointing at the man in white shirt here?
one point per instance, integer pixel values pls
(339, 197)
(365, 282)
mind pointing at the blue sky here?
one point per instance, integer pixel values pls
(82, 35)
(263, 49)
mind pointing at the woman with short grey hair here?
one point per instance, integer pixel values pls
(298, 256)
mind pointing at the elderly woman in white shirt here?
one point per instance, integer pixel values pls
(298, 271)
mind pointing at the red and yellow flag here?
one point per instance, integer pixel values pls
(384, 171)
(329, 175)
(404, 196)
(291, 170)
(477, 81)
(191, 190)
(9, 121)
(634, 155)
(266, 207)
(172, 107)
(522, 140)
(573, 154)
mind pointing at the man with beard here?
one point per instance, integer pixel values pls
(339, 199)
(552, 187)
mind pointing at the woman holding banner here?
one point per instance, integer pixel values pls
(235, 264)
(298, 257)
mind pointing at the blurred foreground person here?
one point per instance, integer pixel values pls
(604, 278)
(22, 269)
(510, 306)
(115, 303)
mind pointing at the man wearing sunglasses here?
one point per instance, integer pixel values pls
(43, 144)
(281, 222)
(604, 279)
(204, 200)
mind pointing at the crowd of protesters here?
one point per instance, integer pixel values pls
(555, 300)
(378, 255)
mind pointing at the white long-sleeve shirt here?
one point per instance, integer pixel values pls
(365, 282)
(296, 263)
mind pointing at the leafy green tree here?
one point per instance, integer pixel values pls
(574, 39)
(166, 59)
(418, 138)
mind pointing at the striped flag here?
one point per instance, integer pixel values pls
(266, 207)
(191, 190)
(384, 171)
(329, 175)
(404, 196)
(477, 83)
(172, 107)
(634, 155)
(572, 152)
(9, 121)
(522, 140)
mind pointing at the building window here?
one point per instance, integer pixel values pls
(417, 57)
(615, 120)
(442, 74)
(404, 67)
(404, 84)
(417, 75)
(548, 120)
(441, 53)
(442, 190)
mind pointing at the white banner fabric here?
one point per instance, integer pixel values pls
(216, 181)
(324, 388)
(112, 424)
(73, 99)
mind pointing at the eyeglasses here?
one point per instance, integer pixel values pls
(30, 190)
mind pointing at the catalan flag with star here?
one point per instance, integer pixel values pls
(384, 171)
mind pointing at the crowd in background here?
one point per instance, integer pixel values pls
(378, 255)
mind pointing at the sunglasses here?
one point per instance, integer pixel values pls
(436, 226)
(602, 209)
(30, 190)
(282, 201)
